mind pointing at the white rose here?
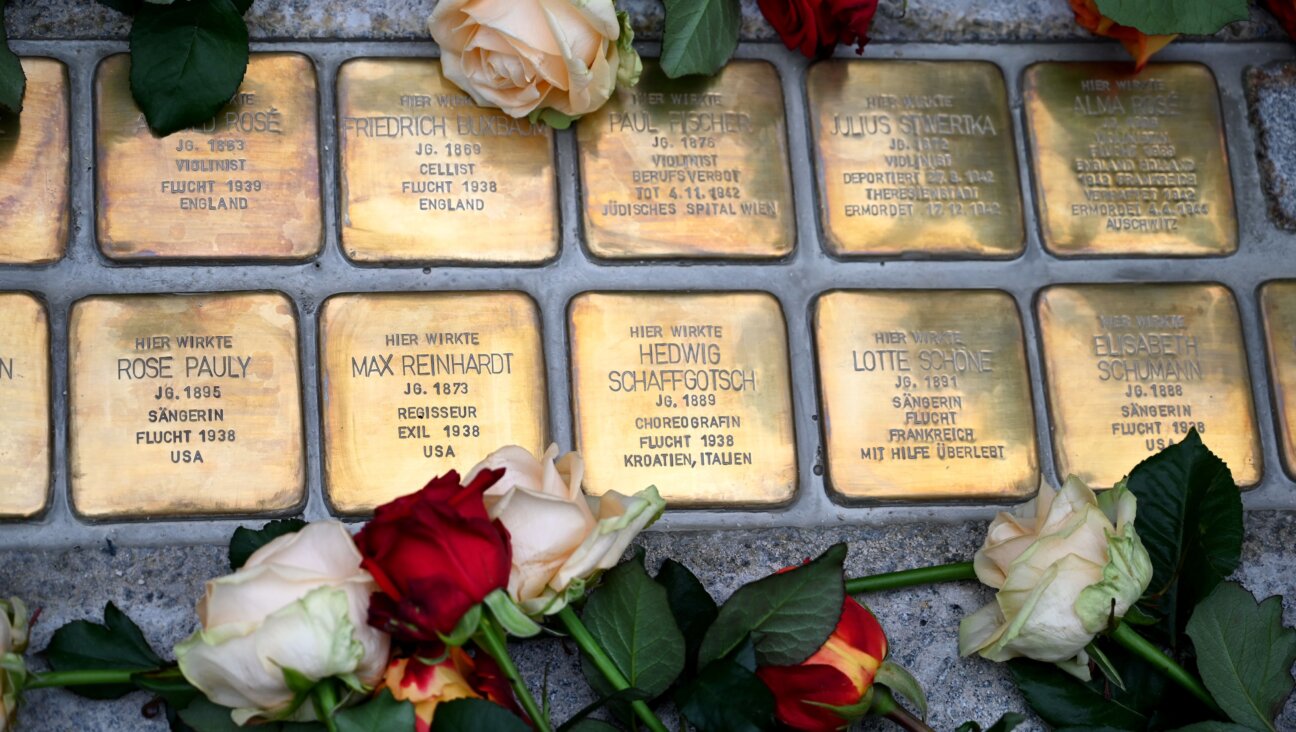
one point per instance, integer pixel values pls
(1059, 563)
(560, 536)
(301, 603)
(13, 670)
(526, 56)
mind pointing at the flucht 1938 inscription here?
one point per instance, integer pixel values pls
(25, 414)
(687, 392)
(185, 405)
(35, 149)
(1278, 303)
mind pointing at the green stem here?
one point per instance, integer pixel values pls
(324, 697)
(1125, 635)
(95, 677)
(606, 666)
(885, 705)
(911, 577)
(491, 638)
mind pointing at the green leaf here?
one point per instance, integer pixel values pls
(122, 6)
(118, 644)
(726, 697)
(243, 6)
(1190, 521)
(187, 60)
(380, 714)
(1006, 723)
(788, 615)
(700, 36)
(691, 604)
(1167, 17)
(475, 715)
(205, 716)
(1244, 654)
(898, 679)
(1063, 701)
(13, 81)
(592, 725)
(1214, 727)
(625, 695)
(244, 543)
(1105, 665)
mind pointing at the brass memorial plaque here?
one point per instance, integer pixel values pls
(244, 185)
(1127, 163)
(925, 395)
(689, 168)
(417, 384)
(1130, 369)
(1278, 303)
(34, 172)
(687, 392)
(24, 406)
(185, 404)
(915, 158)
(429, 176)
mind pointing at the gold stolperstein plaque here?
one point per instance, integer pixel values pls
(687, 392)
(1131, 369)
(185, 405)
(243, 185)
(689, 168)
(1278, 303)
(1127, 163)
(418, 384)
(915, 158)
(429, 176)
(34, 170)
(925, 395)
(25, 410)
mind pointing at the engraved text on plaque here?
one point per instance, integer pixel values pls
(25, 416)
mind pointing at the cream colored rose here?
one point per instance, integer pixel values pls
(560, 536)
(13, 670)
(1062, 563)
(526, 56)
(301, 603)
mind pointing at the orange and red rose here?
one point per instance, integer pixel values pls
(815, 27)
(457, 676)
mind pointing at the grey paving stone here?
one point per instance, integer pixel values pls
(1271, 98)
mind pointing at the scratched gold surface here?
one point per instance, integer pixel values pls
(265, 144)
(25, 416)
(925, 395)
(1130, 368)
(34, 154)
(241, 411)
(1278, 303)
(706, 416)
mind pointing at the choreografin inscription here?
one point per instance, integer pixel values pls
(427, 175)
(694, 167)
(1130, 163)
(1131, 369)
(25, 414)
(185, 404)
(925, 395)
(687, 392)
(1278, 303)
(243, 185)
(418, 384)
(915, 158)
(34, 177)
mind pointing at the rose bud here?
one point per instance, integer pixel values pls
(434, 554)
(1139, 45)
(457, 676)
(13, 670)
(1064, 563)
(561, 537)
(300, 604)
(825, 692)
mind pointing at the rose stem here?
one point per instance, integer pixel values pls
(911, 577)
(492, 640)
(885, 705)
(1141, 647)
(606, 665)
(324, 697)
(89, 677)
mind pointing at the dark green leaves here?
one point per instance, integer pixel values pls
(700, 36)
(1063, 701)
(245, 542)
(1006, 723)
(630, 617)
(13, 82)
(1165, 17)
(728, 696)
(116, 645)
(1244, 654)
(187, 60)
(475, 715)
(381, 714)
(691, 604)
(788, 616)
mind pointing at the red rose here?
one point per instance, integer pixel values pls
(850, 21)
(434, 554)
(1139, 45)
(457, 676)
(1285, 12)
(837, 676)
(815, 27)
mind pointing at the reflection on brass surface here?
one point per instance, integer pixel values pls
(429, 176)
(925, 395)
(418, 384)
(915, 157)
(1129, 163)
(184, 404)
(34, 154)
(687, 392)
(1132, 368)
(245, 184)
(1278, 302)
(693, 167)
(25, 414)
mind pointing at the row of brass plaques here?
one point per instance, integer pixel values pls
(192, 404)
(914, 158)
